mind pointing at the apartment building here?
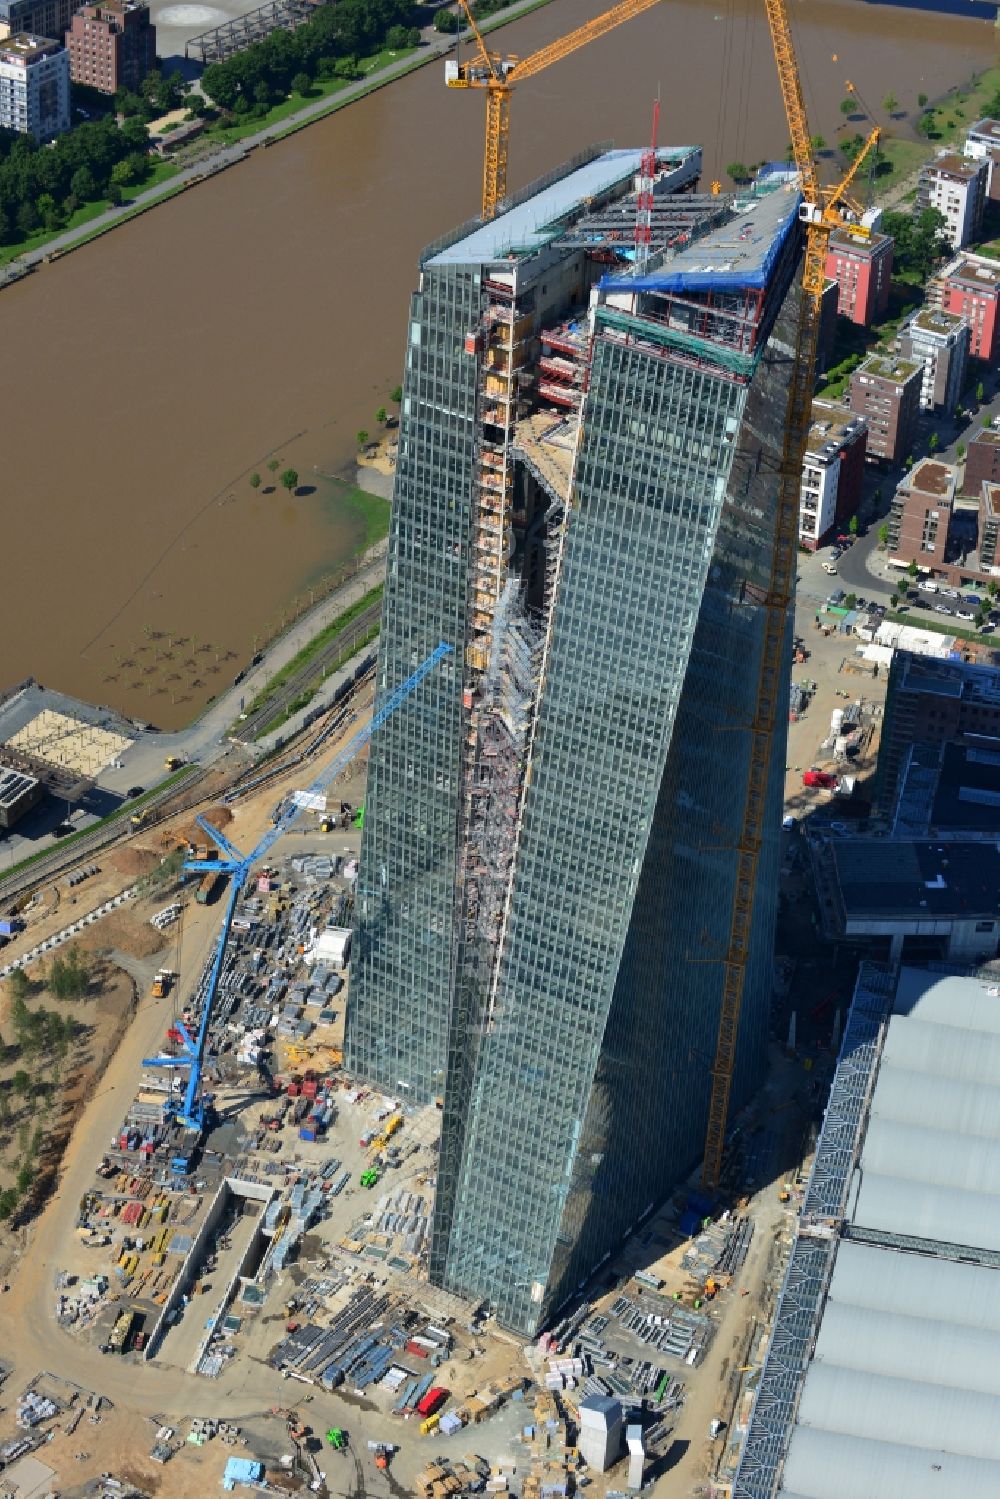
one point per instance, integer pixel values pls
(956, 187)
(920, 515)
(34, 87)
(939, 341)
(832, 473)
(982, 461)
(48, 18)
(886, 392)
(112, 45)
(982, 143)
(862, 270)
(970, 285)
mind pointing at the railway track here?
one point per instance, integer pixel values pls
(188, 797)
(311, 674)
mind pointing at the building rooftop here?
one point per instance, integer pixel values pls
(987, 436)
(990, 498)
(885, 878)
(13, 785)
(934, 320)
(888, 367)
(974, 270)
(988, 128)
(546, 209)
(27, 49)
(737, 254)
(882, 1378)
(843, 239)
(968, 789)
(930, 476)
(952, 165)
(947, 678)
(833, 427)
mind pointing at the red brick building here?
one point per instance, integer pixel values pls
(982, 462)
(862, 269)
(886, 392)
(920, 515)
(112, 45)
(971, 285)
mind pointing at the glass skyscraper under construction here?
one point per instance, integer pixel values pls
(584, 508)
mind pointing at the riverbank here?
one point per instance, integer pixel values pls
(236, 142)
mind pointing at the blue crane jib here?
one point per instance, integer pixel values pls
(191, 1113)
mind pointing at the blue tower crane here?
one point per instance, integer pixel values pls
(191, 1113)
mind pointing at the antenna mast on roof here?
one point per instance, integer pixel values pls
(644, 205)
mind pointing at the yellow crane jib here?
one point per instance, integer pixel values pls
(822, 211)
(498, 74)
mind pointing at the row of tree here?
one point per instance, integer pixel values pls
(40, 186)
(327, 46)
(449, 20)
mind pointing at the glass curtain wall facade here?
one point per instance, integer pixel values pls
(591, 1078)
(401, 968)
(547, 864)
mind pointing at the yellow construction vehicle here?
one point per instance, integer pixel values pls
(822, 211)
(173, 762)
(498, 75)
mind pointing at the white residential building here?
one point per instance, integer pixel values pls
(982, 143)
(940, 341)
(956, 187)
(832, 472)
(34, 86)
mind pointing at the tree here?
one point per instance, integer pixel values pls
(992, 588)
(25, 1177)
(847, 107)
(8, 1202)
(818, 144)
(738, 171)
(19, 984)
(445, 20)
(980, 392)
(380, 416)
(933, 443)
(890, 104)
(908, 462)
(255, 481)
(290, 479)
(121, 172)
(396, 38)
(960, 451)
(913, 569)
(273, 464)
(893, 600)
(922, 101)
(850, 601)
(69, 977)
(362, 438)
(396, 394)
(925, 126)
(883, 534)
(83, 184)
(302, 84)
(854, 525)
(20, 1082)
(413, 37)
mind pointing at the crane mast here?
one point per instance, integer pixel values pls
(822, 211)
(498, 75)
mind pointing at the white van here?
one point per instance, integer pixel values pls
(927, 587)
(830, 567)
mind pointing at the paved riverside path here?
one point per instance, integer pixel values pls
(434, 46)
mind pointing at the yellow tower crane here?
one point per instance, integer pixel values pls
(822, 211)
(498, 75)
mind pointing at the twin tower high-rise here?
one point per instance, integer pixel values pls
(584, 509)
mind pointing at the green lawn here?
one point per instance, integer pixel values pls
(371, 509)
(160, 172)
(323, 88)
(305, 698)
(308, 652)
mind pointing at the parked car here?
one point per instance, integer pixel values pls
(965, 614)
(837, 597)
(941, 609)
(951, 593)
(830, 567)
(973, 599)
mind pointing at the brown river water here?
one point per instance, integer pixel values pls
(263, 313)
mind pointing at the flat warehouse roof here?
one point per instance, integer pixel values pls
(883, 877)
(901, 1389)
